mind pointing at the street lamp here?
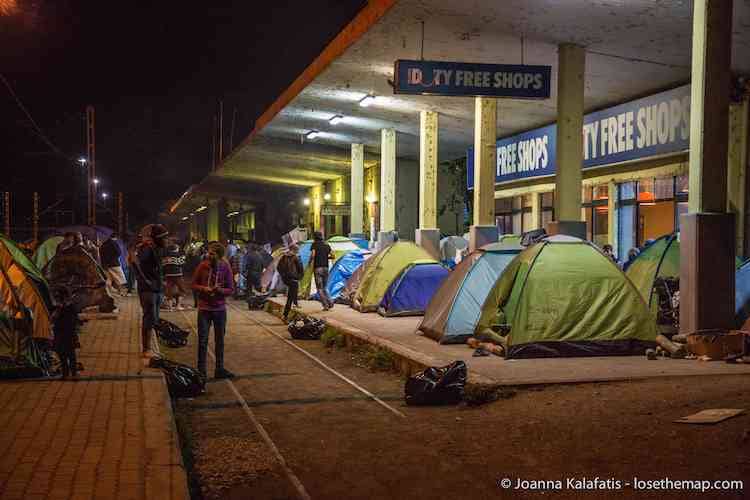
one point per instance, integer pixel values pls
(327, 196)
(95, 181)
(306, 202)
(104, 196)
(82, 161)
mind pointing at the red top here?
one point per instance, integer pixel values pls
(213, 285)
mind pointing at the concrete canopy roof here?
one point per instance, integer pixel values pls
(634, 47)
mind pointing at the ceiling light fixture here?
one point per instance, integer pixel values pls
(201, 208)
(336, 119)
(306, 202)
(232, 214)
(312, 135)
(367, 100)
(327, 196)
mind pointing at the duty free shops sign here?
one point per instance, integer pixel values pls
(636, 130)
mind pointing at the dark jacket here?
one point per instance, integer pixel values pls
(148, 270)
(173, 261)
(65, 327)
(253, 263)
(110, 254)
(290, 268)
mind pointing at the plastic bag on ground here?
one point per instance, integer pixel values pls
(170, 334)
(183, 381)
(437, 386)
(306, 328)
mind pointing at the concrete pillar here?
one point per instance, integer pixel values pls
(357, 191)
(612, 218)
(536, 211)
(428, 234)
(707, 231)
(316, 202)
(737, 169)
(212, 222)
(484, 229)
(570, 88)
(387, 185)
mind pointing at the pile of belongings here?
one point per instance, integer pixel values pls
(170, 334)
(183, 381)
(437, 386)
(306, 328)
(704, 345)
(257, 302)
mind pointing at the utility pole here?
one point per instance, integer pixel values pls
(91, 152)
(120, 228)
(213, 146)
(231, 131)
(221, 131)
(6, 212)
(35, 219)
(127, 223)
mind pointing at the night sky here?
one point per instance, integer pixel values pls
(155, 75)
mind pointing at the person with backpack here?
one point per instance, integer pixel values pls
(320, 255)
(291, 270)
(149, 277)
(110, 258)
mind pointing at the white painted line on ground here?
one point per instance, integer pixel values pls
(325, 366)
(301, 491)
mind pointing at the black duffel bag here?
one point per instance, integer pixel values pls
(170, 334)
(437, 386)
(256, 302)
(306, 328)
(183, 381)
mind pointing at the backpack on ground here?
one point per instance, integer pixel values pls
(306, 328)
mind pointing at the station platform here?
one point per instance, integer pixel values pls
(415, 352)
(110, 435)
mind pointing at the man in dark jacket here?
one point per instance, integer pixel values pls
(253, 269)
(320, 255)
(149, 276)
(110, 256)
(291, 270)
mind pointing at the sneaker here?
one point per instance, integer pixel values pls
(223, 373)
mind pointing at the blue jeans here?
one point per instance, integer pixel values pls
(321, 282)
(219, 320)
(150, 302)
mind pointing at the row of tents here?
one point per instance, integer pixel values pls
(26, 301)
(560, 296)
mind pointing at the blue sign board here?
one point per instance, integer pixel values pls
(469, 79)
(647, 127)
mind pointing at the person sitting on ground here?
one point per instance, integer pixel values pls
(172, 263)
(214, 283)
(609, 252)
(149, 278)
(253, 270)
(290, 269)
(110, 254)
(320, 254)
(65, 326)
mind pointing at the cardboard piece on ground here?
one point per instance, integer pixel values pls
(712, 416)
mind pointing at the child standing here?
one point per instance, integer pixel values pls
(65, 324)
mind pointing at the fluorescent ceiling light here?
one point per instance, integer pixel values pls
(312, 134)
(232, 214)
(367, 100)
(185, 218)
(336, 119)
(201, 208)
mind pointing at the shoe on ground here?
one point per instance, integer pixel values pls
(223, 373)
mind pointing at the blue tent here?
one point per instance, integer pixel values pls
(342, 270)
(361, 243)
(454, 311)
(411, 291)
(742, 294)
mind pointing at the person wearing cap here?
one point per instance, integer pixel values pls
(149, 277)
(214, 282)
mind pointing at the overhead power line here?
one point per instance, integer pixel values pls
(36, 127)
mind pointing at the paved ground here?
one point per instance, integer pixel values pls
(340, 444)
(110, 435)
(401, 333)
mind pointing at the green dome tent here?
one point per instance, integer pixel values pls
(661, 259)
(24, 314)
(46, 251)
(563, 297)
(380, 271)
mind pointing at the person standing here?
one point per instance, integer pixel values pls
(253, 270)
(65, 325)
(290, 269)
(131, 271)
(172, 262)
(214, 283)
(110, 255)
(321, 253)
(149, 277)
